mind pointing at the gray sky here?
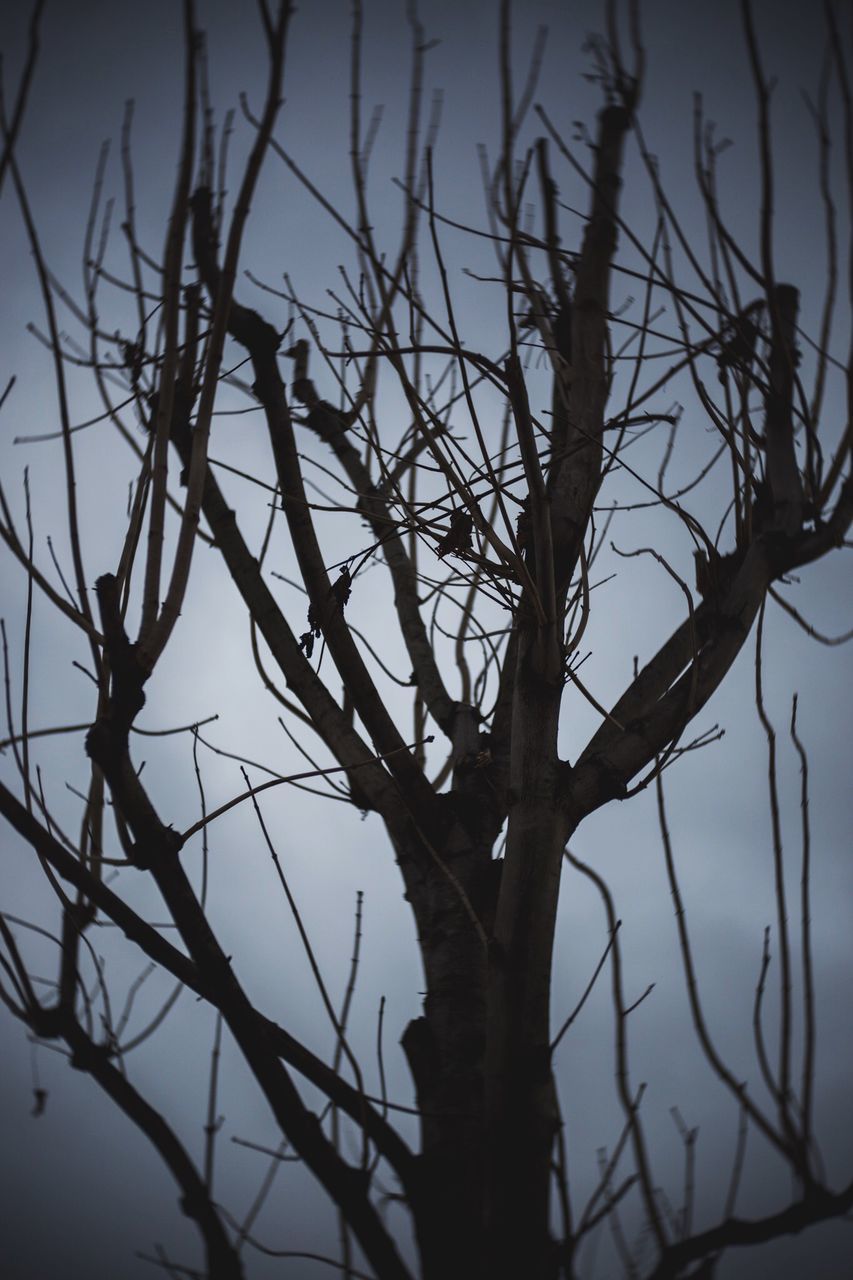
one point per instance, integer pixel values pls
(79, 1189)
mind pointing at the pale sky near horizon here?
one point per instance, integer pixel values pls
(80, 1191)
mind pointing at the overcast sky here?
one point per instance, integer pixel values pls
(80, 1192)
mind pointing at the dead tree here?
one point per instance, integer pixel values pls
(504, 530)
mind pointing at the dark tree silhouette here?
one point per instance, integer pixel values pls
(489, 541)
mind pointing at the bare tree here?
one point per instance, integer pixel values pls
(491, 541)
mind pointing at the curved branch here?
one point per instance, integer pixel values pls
(223, 1261)
(819, 1205)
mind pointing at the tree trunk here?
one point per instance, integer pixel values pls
(445, 1049)
(520, 1100)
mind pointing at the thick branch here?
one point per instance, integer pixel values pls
(819, 1206)
(614, 756)
(329, 425)
(581, 385)
(326, 716)
(158, 949)
(261, 341)
(658, 704)
(348, 1187)
(783, 475)
(223, 1261)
